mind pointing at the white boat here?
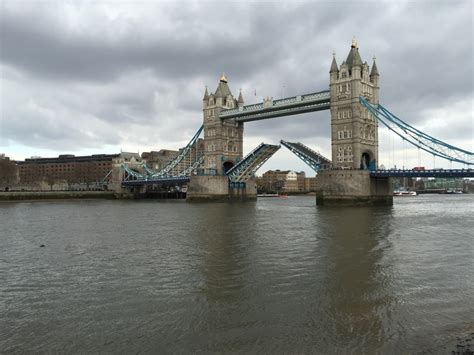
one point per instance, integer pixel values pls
(454, 191)
(404, 193)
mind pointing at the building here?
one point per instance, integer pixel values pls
(300, 179)
(157, 160)
(286, 181)
(310, 184)
(66, 169)
(354, 137)
(223, 139)
(8, 173)
(280, 181)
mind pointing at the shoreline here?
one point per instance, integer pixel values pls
(57, 195)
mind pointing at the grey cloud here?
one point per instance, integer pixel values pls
(138, 71)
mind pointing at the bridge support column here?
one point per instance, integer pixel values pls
(213, 188)
(352, 187)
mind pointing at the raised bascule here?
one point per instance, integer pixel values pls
(220, 171)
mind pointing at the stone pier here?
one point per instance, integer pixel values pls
(212, 188)
(352, 187)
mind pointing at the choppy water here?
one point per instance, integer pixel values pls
(273, 276)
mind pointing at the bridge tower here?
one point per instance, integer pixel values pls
(223, 139)
(354, 137)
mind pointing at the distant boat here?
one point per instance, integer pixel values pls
(453, 191)
(404, 193)
(272, 195)
(268, 195)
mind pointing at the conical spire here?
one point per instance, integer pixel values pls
(354, 57)
(334, 68)
(222, 89)
(241, 98)
(374, 70)
(206, 95)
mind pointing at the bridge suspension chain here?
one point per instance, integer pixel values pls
(416, 137)
(178, 159)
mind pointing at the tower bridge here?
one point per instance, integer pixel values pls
(220, 170)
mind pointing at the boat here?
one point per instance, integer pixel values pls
(273, 195)
(404, 193)
(268, 195)
(454, 191)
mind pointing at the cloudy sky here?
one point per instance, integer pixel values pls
(88, 77)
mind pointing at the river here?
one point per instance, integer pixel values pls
(280, 275)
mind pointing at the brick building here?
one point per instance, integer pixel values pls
(157, 160)
(66, 168)
(287, 181)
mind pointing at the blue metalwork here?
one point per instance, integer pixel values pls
(134, 178)
(104, 179)
(148, 170)
(283, 107)
(441, 173)
(192, 167)
(175, 180)
(247, 167)
(315, 160)
(416, 137)
(130, 174)
(172, 164)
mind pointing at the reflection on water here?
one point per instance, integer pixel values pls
(272, 276)
(357, 281)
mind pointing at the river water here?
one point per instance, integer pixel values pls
(280, 275)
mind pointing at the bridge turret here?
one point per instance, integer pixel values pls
(240, 102)
(354, 137)
(205, 99)
(334, 71)
(223, 139)
(374, 74)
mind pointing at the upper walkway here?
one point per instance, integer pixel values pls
(270, 108)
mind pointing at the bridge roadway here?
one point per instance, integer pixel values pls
(270, 108)
(176, 180)
(439, 173)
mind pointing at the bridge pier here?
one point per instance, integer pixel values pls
(215, 188)
(352, 187)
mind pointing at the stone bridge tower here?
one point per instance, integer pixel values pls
(354, 136)
(223, 139)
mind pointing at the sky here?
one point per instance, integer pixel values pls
(91, 77)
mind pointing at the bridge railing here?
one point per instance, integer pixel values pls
(274, 104)
(315, 160)
(245, 168)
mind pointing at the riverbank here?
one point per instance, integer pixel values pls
(56, 195)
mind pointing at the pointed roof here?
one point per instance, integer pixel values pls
(206, 95)
(353, 57)
(334, 68)
(223, 89)
(241, 98)
(374, 70)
